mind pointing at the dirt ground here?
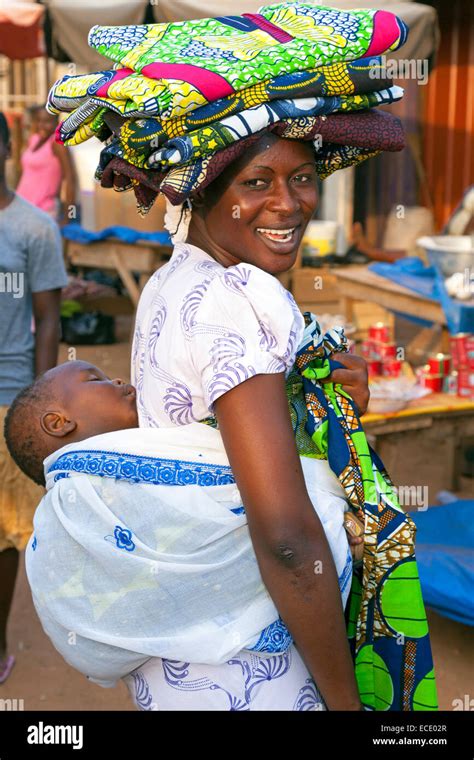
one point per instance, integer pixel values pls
(44, 682)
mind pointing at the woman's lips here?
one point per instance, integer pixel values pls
(280, 246)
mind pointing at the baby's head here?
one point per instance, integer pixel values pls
(64, 405)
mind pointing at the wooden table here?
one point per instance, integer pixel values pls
(358, 283)
(125, 258)
(421, 445)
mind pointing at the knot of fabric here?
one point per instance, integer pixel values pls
(315, 348)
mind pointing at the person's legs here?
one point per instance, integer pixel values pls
(8, 573)
(19, 497)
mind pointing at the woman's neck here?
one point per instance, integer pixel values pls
(197, 235)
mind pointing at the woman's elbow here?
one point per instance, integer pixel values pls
(295, 549)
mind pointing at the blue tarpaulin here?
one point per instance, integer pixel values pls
(411, 273)
(78, 234)
(445, 556)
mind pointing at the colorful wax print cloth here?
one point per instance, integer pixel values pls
(386, 618)
(87, 121)
(141, 548)
(215, 137)
(340, 140)
(191, 94)
(197, 62)
(133, 95)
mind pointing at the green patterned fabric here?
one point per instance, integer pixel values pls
(240, 49)
(386, 619)
(350, 85)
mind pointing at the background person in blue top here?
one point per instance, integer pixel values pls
(32, 274)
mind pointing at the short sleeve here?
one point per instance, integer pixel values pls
(246, 324)
(46, 269)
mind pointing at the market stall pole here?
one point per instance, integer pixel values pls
(423, 443)
(142, 258)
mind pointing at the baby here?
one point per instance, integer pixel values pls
(75, 401)
(68, 403)
(141, 546)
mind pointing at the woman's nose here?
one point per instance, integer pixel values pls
(284, 199)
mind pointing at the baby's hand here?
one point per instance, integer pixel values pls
(355, 532)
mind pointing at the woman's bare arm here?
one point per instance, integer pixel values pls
(69, 178)
(286, 532)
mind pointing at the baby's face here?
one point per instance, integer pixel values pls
(95, 403)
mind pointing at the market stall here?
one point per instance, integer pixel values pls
(440, 424)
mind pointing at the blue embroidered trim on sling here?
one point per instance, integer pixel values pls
(142, 469)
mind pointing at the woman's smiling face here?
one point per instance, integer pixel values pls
(257, 210)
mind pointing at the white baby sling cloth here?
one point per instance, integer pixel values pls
(141, 549)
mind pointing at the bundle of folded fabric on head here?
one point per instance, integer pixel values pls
(186, 99)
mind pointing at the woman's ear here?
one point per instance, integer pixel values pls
(56, 424)
(197, 199)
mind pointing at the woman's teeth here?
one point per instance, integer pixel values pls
(282, 236)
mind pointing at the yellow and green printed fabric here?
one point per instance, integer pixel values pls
(385, 614)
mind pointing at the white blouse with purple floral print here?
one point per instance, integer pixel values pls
(202, 329)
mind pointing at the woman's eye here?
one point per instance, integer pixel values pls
(252, 182)
(304, 177)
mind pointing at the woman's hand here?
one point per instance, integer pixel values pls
(353, 378)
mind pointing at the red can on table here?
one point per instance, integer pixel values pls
(431, 381)
(374, 367)
(470, 352)
(459, 348)
(388, 351)
(380, 332)
(392, 368)
(439, 364)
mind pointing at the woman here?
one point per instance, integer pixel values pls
(216, 334)
(45, 165)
